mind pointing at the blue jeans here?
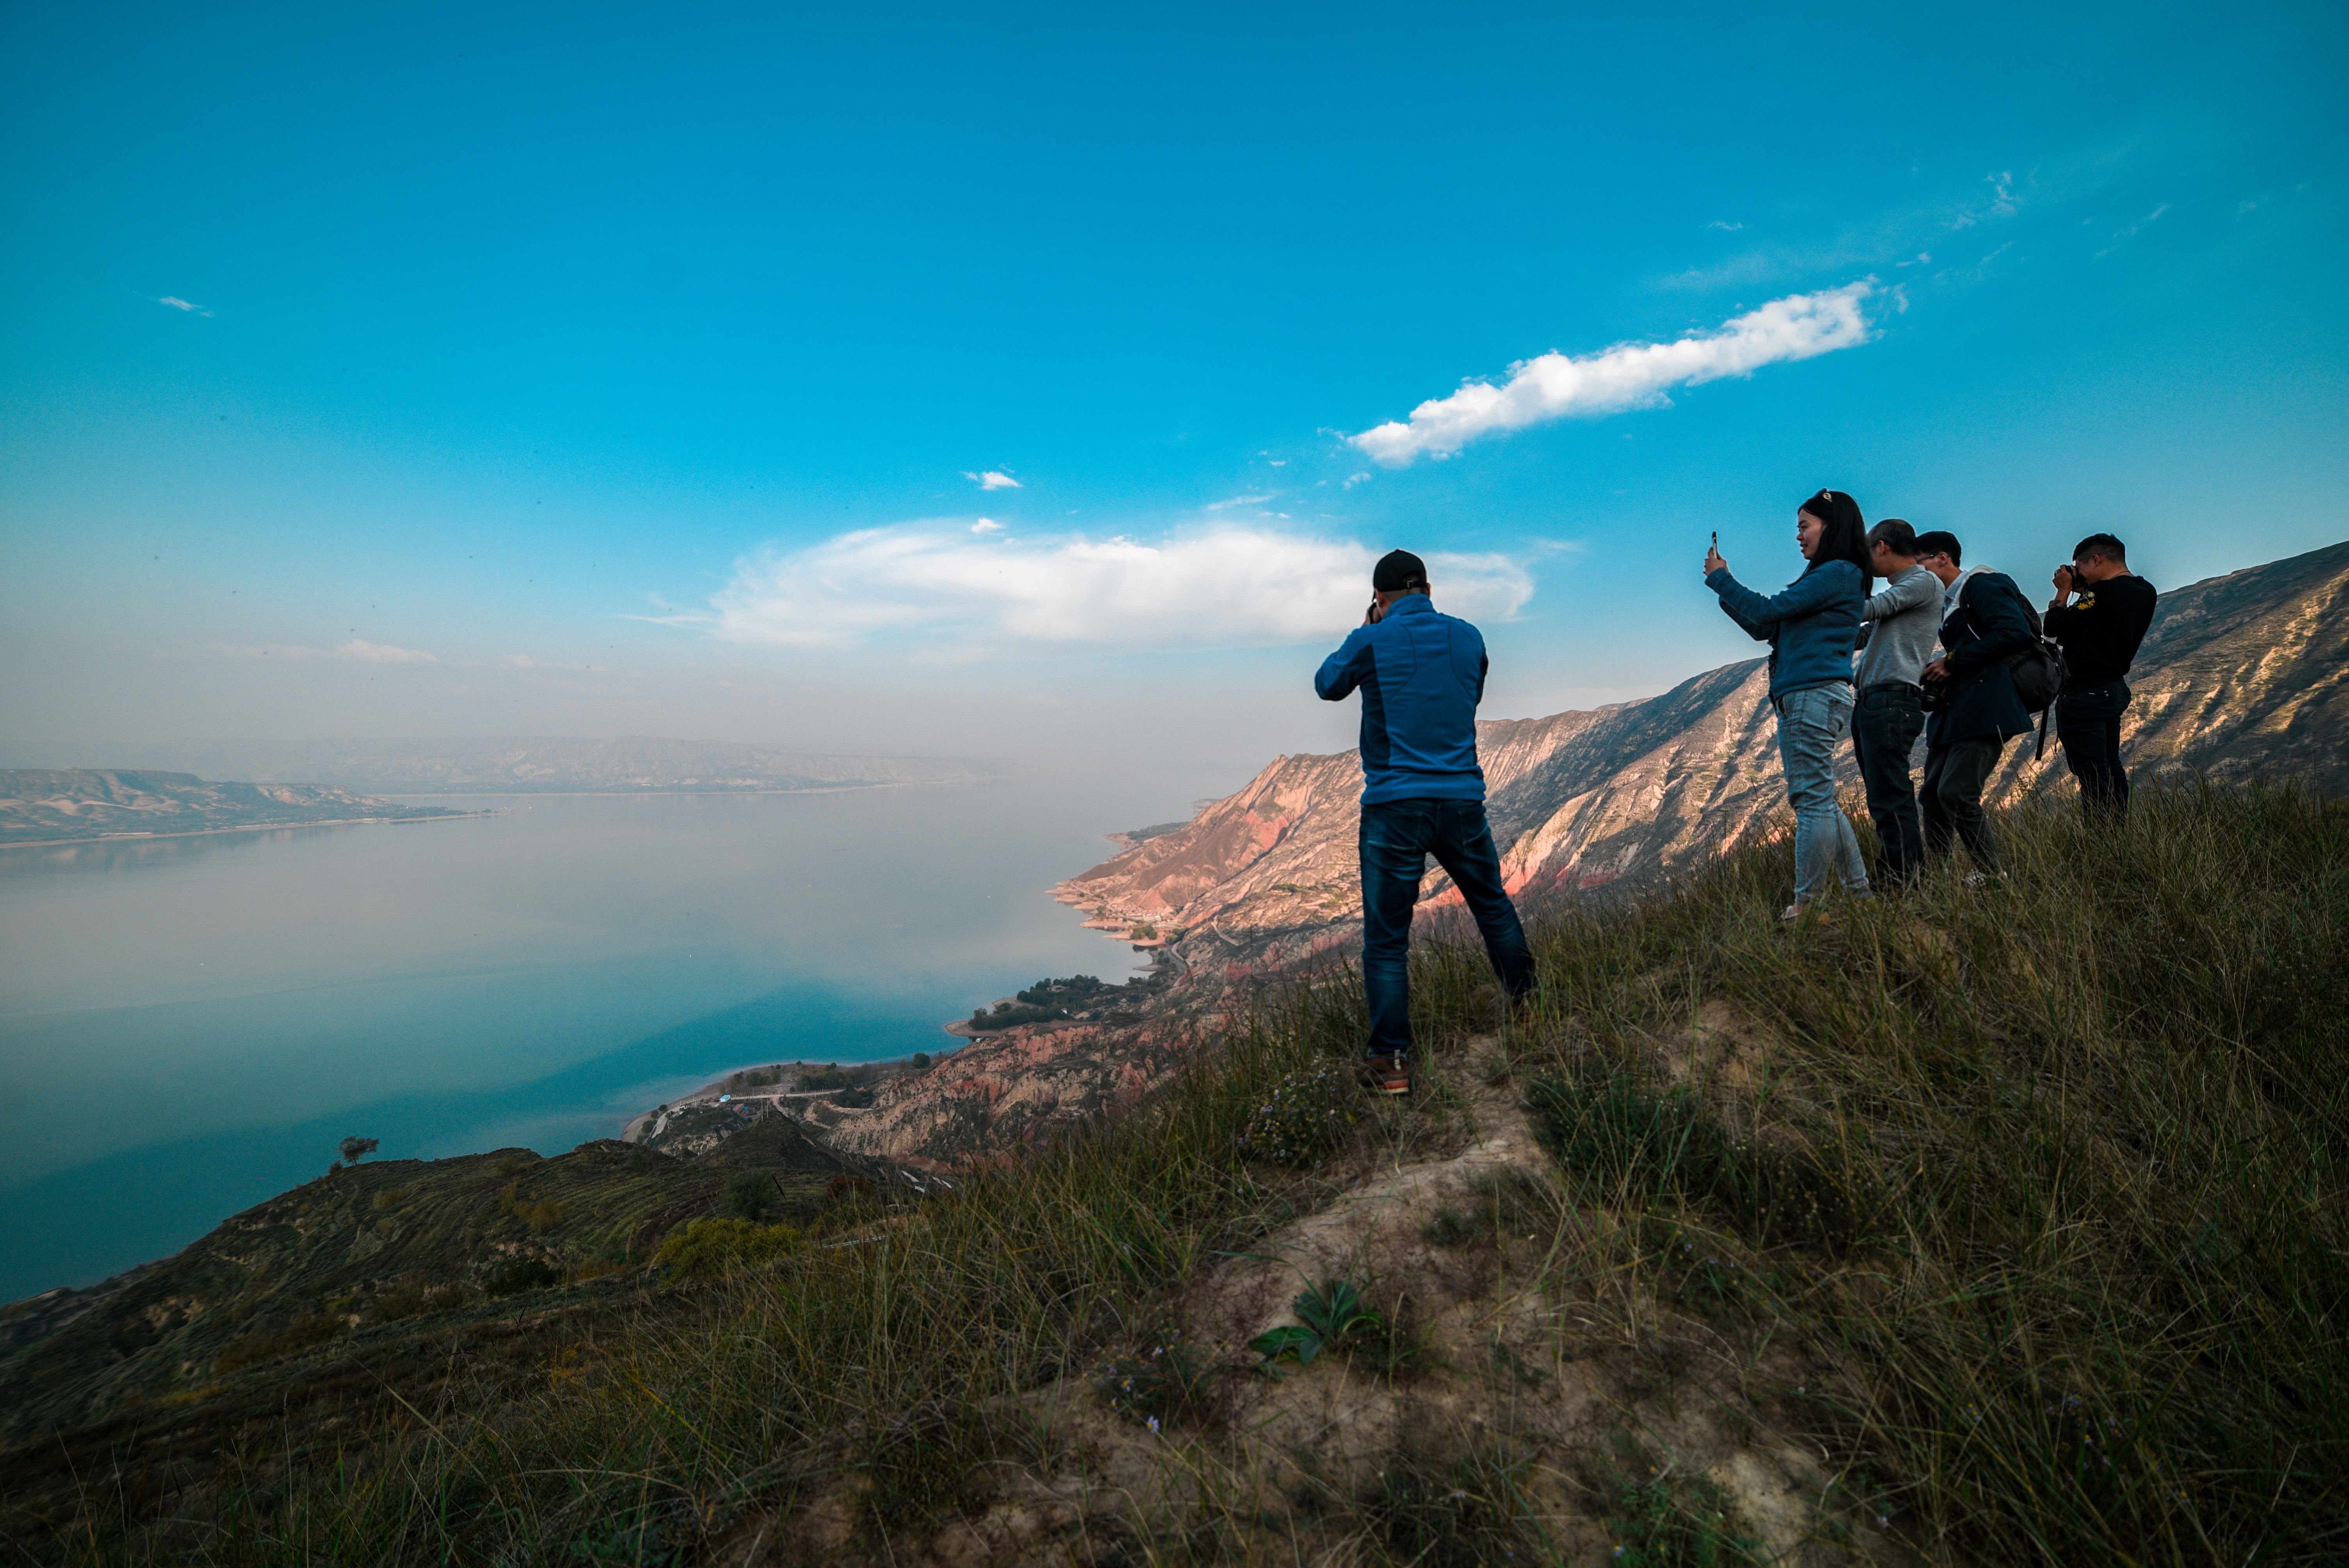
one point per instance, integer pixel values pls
(2088, 723)
(1811, 723)
(1397, 837)
(1885, 724)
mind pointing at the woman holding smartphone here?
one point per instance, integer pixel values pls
(1810, 626)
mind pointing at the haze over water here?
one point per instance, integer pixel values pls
(190, 1025)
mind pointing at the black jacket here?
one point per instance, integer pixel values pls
(1979, 697)
(2101, 633)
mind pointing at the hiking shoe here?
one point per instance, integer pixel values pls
(1790, 913)
(1386, 1074)
(1984, 878)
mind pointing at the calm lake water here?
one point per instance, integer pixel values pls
(190, 1025)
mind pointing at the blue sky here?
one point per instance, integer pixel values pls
(598, 371)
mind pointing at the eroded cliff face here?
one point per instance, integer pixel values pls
(2239, 675)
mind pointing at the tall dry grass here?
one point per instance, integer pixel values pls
(2053, 1169)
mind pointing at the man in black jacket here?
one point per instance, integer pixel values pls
(1975, 709)
(2100, 634)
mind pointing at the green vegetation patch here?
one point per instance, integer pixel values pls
(712, 1249)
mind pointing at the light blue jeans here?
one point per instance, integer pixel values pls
(1812, 723)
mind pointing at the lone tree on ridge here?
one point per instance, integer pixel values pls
(355, 1146)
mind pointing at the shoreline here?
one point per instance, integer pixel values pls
(631, 794)
(243, 828)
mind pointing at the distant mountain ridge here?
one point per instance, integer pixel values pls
(2239, 675)
(62, 805)
(534, 764)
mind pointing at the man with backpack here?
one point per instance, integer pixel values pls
(1975, 709)
(2100, 634)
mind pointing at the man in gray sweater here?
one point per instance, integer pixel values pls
(1897, 629)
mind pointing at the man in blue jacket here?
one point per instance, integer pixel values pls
(1976, 709)
(1421, 674)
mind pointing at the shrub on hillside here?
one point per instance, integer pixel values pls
(302, 1334)
(712, 1249)
(752, 1195)
(521, 1275)
(1300, 1118)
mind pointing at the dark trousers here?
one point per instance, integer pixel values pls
(1397, 837)
(2088, 723)
(1885, 724)
(1950, 801)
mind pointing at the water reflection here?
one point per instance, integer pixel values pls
(181, 1021)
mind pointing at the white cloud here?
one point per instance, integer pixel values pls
(987, 525)
(929, 588)
(379, 654)
(1724, 226)
(1353, 480)
(1628, 375)
(993, 480)
(176, 303)
(1240, 501)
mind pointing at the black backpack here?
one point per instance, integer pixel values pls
(2039, 670)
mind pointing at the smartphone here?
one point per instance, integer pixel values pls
(1716, 542)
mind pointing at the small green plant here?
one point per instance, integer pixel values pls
(1300, 1118)
(1157, 1384)
(712, 1249)
(1330, 1316)
(1662, 1519)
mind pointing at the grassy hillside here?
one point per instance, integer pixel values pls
(1998, 1226)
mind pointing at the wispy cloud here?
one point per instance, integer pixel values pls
(2124, 236)
(382, 653)
(1628, 375)
(932, 588)
(1240, 501)
(1724, 225)
(993, 480)
(176, 303)
(365, 653)
(987, 525)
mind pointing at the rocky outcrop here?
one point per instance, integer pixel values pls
(999, 1093)
(2241, 675)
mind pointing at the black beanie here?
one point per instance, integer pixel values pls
(1398, 569)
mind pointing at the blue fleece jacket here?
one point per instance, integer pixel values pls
(1809, 625)
(1422, 674)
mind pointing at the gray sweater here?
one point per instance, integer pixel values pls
(1904, 622)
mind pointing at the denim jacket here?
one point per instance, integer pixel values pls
(1421, 674)
(1810, 625)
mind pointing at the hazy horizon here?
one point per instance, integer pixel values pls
(1004, 388)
